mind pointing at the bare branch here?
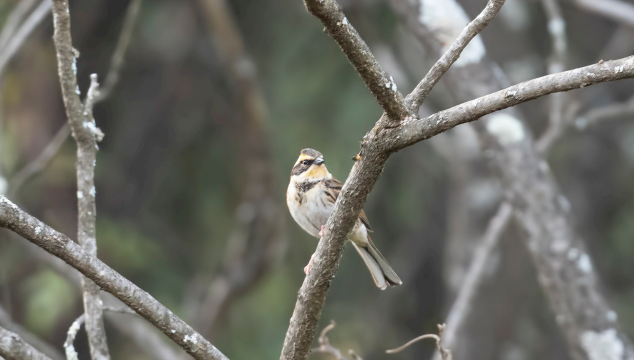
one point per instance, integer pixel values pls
(326, 348)
(378, 81)
(613, 111)
(376, 147)
(557, 63)
(418, 95)
(415, 130)
(13, 21)
(86, 134)
(141, 302)
(565, 269)
(616, 10)
(71, 354)
(462, 305)
(39, 163)
(69, 348)
(18, 38)
(12, 347)
(116, 61)
(444, 353)
(29, 338)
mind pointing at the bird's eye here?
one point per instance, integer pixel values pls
(305, 162)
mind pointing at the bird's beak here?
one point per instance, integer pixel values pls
(319, 161)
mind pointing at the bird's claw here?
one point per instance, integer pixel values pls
(321, 232)
(307, 267)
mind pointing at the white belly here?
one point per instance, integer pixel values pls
(310, 209)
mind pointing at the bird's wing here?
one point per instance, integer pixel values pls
(333, 188)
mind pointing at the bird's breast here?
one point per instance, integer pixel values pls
(309, 206)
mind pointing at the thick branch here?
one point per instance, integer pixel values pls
(12, 347)
(378, 81)
(144, 304)
(379, 143)
(86, 135)
(565, 269)
(415, 130)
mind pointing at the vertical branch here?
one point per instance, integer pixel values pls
(86, 135)
(557, 63)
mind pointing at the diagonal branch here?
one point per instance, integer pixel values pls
(376, 79)
(418, 95)
(12, 347)
(376, 147)
(416, 130)
(58, 244)
(36, 342)
(15, 41)
(39, 163)
(118, 56)
(462, 305)
(364, 174)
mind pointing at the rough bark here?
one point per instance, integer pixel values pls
(387, 137)
(12, 347)
(564, 268)
(11, 217)
(86, 135)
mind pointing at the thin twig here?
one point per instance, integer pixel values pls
(616, 10)
(384, 139)
(424, 87)
(13, 21)
(40, 162)
(468, 289)
(118, 56)
(444, 353)
(69, 348)
(608, 112)
(18, 38)
(557, 63)
(86, 134)
(326, 348)
(376, 147)
(58, 244)
(13, 347)
(29, 338)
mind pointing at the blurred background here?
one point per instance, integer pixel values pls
(212, 107)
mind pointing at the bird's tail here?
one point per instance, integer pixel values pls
(382, 273)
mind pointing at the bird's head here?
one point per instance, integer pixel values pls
(309, 165)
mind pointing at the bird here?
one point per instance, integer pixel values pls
(311, 196)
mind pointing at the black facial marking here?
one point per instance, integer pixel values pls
(302, 166)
